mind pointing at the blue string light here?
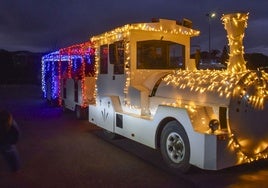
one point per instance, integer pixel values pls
(55, 65)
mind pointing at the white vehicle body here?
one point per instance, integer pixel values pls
(74, 97)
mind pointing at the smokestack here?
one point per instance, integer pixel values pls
(235, 25)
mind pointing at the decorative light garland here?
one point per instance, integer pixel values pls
(221, 82)
(122, 33)
(243, 157)
(235, 25)
(53, 61)
(97, 62)
(127, 72)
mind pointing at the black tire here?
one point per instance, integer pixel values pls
(81, 113)
(110, 135)
(78, 112)
(63, 107)
(49, 102)
(175, 147)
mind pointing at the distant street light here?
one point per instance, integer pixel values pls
(210, 16)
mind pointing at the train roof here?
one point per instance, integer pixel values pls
(157, 25)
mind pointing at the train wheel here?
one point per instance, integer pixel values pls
(175, 147)
(78, 112)
(81, 113)
(63, 107)
(109, 135)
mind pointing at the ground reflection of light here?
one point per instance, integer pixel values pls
(258, 179)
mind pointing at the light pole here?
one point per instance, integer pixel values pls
(210, 16)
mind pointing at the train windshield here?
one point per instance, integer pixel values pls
(159, 54)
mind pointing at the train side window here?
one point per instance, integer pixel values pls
(104, 59)
(116, 56)
(89, 65)
(176, 56)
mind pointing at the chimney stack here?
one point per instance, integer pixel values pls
(235, 25)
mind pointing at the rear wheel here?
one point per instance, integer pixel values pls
(63, 107)
(175, 147)
(81, 113)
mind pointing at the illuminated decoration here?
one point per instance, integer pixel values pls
(198, 95)
(258, 92)
(79, 53)
(53, 69)
(122, 33)
(223, 83)
(127, 72)
(235, 25)
(250, 87)
(261, 153)
(242, 86)
(50, 70)
(97, 61)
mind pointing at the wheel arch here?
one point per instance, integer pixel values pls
(161, 126)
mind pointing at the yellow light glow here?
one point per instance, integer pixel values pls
(235, 25)
(221, 82)
(122, 33)
(260, 153)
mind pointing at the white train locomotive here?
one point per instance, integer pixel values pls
(149, 90)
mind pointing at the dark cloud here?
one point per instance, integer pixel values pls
(51, 24)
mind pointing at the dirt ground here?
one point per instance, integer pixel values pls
(59, 151)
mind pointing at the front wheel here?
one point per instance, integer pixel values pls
(110, 135)
(175, 147)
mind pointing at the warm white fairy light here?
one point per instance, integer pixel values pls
(225, 83)
(97, 62)
(127, 72)
(235, 25)
(122, 33)
(243, 157)
(221, 82)
(258, 80)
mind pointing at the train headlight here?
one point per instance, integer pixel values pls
(214, 125)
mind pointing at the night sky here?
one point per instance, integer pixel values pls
(47, 25)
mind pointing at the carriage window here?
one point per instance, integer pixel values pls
(116, 56)
(89, 61)
(104, 59)
(158, 54)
